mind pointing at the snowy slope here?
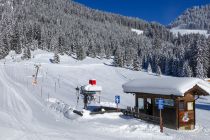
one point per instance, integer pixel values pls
(26, 113)
(177, 30)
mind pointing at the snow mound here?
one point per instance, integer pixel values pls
(63, 108)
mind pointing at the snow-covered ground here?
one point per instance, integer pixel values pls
(139, 32)
(39, 112)
(177, 30)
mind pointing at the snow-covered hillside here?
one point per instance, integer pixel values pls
(34, 111)
(177, 30)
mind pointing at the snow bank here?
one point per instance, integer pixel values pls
(165, 85)
(63, 108)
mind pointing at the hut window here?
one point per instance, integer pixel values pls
(141, 103)
(190, 106)
(181, 105)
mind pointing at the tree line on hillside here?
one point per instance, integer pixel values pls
(65, 27)
(197, 17)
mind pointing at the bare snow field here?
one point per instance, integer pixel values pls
(41, 112)
(138, 32)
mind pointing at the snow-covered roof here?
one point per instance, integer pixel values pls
(92, 88)
(165, 85)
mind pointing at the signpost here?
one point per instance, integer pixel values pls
(160, 107)
(117, 100)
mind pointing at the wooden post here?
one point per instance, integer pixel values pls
(177, 113)
(99, 98)
(161, 121)
(136, 100)
(85, 101)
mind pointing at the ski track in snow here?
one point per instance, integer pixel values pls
(25, 115)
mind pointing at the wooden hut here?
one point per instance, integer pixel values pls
(179, 96)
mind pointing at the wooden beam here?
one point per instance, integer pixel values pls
(148, 95)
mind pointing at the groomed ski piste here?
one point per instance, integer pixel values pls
(44, 111)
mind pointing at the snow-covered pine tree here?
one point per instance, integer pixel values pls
(159, 73)
(26, 53)
(118, 58)
(167, 67)
(56, 58)
(15, 39)
(199, 56)
(54, 43)
(5, 47)
(186, 70)
(199, 71)
(91, 49)
(174, 66)
(102, 52)
(61, 44)
(37, 33)
(149, 69)
(205, 53)
(136, 63)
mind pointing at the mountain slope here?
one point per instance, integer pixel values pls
(197, 17)
(25, 113)
(66, 27)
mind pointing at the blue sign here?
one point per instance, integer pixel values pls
(166, 102)
(160, 104)
(117, 99)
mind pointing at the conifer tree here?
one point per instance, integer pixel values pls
(56, 58)
(186, 70)
(136, 63)
(26, 53)
(199, 71)
(159, 73)
(149, 69)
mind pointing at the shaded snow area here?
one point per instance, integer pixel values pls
(45, 111)
(177, 30)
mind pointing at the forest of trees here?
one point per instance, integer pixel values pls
(197, 17)
(66, 27)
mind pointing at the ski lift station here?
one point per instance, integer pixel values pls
(178, 95)
(91, 92)
(92, 98)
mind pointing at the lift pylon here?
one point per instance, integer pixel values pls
(37, 67)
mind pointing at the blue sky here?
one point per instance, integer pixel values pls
(163, 11)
